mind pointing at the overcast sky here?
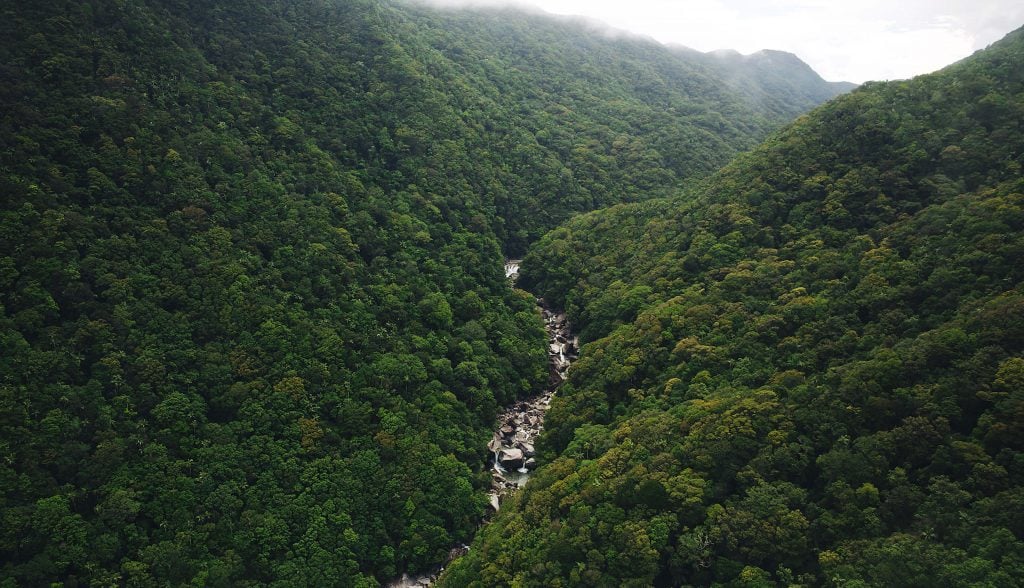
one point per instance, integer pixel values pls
(852, 40)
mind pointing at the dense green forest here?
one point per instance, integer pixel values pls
(253, 321)
(572, 119)
(808, 370)
(775, 81)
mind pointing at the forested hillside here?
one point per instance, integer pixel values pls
(253, 321)
(774, 81)
(586, 117)
(807, 370)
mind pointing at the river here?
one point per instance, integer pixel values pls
(519, 425)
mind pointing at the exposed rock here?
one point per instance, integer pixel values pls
(512, 269)
(457, 552)
(511, 459)
(495, 444)
(512, 445)
(497, 480)
(417, 582)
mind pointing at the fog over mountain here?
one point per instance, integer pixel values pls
(852, 41)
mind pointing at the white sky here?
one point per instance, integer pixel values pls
(852, 40)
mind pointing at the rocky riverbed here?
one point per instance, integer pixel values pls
(512, 446)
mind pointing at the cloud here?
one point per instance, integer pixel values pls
(841, 40)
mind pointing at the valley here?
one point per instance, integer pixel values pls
(290, 291)
(513, 455)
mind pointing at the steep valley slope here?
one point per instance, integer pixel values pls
(253, 320)
(806, 370)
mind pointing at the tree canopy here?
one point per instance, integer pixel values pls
(805, 370)
(254, 324)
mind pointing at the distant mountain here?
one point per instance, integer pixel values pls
(806, 370)
(774, 80)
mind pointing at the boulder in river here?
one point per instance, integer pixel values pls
(457, 552)
(495, 444)
(511, 459)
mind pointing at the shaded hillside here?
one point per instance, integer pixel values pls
(809, 370)
(252, 312)
(236, 331)
(582, 117)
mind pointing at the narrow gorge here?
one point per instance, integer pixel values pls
(518, 426)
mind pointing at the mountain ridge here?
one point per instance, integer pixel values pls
(770, 76)
(804, 369)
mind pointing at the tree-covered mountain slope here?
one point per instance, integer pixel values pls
(775, 81)
(254, 325)
(809, 370)
(580, 117)
(241, 343)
